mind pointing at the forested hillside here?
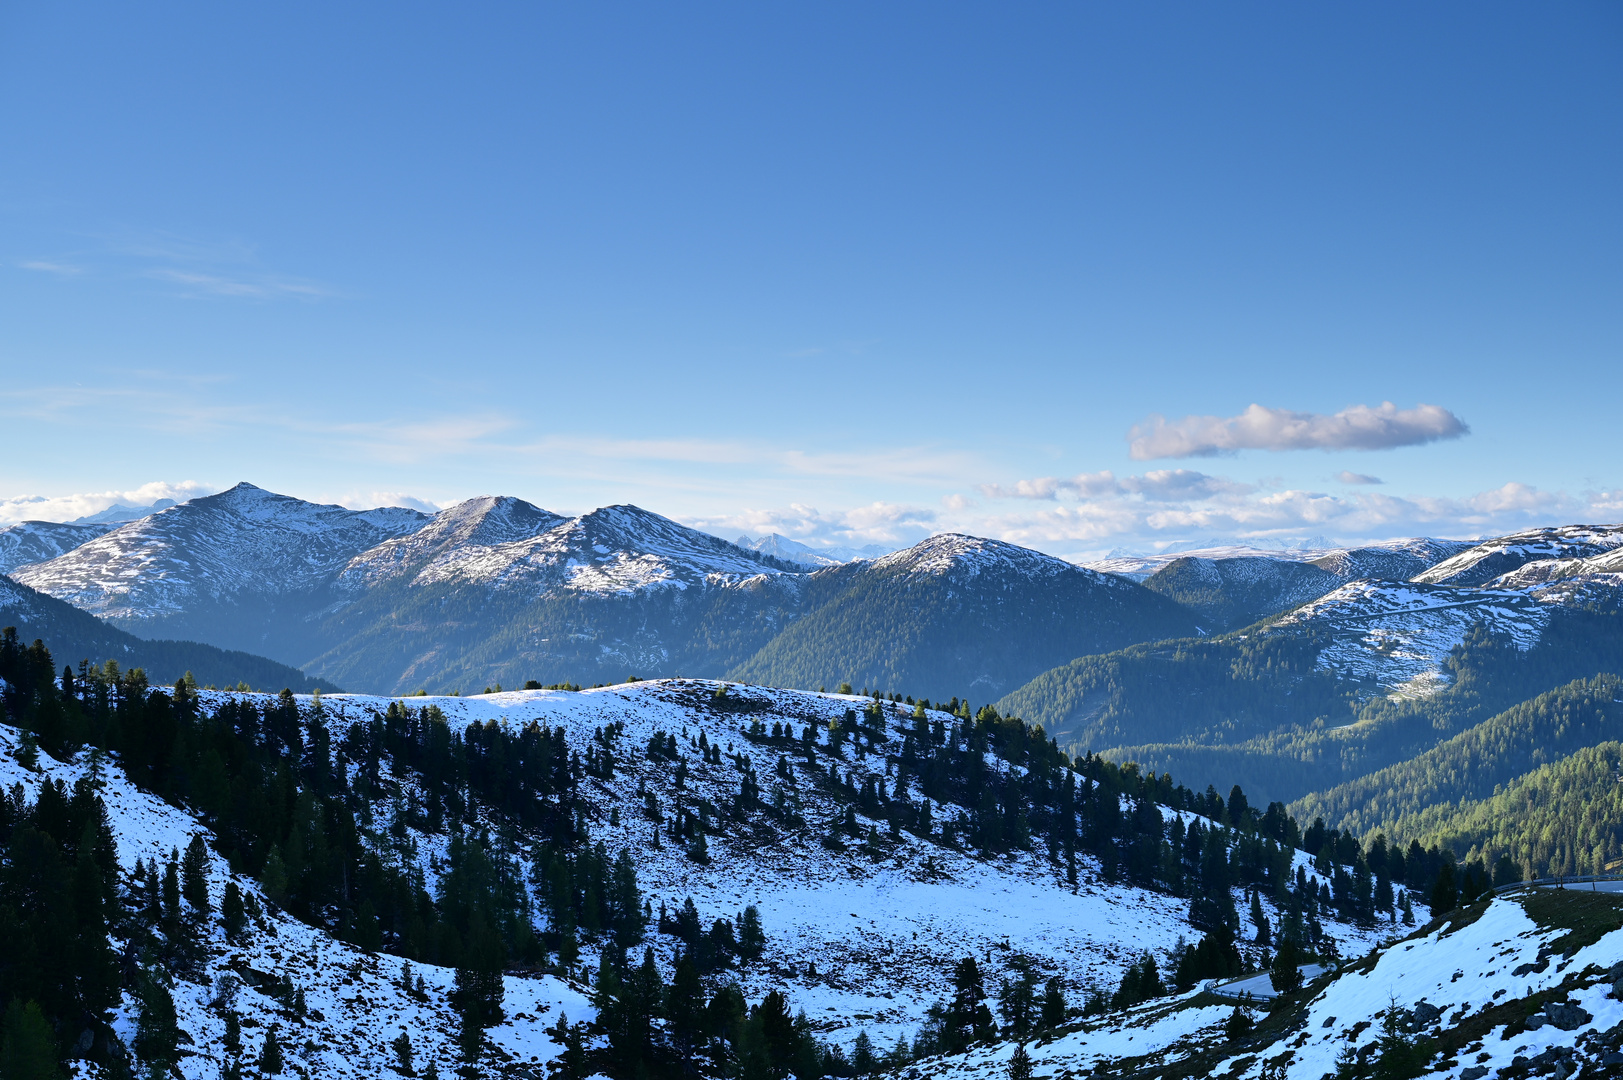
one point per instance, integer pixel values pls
(81, 636)
(956, 615)
(1258, 708)
(1562, 818)
(1231, 593)
(806, 852)
(1473, 764)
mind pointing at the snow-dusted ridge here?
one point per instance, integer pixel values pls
(36, 541)
(859, 941)
(355, 1003)
(242, 541)
(1468, 984)
(1399, 633)
(1490, 559)
(960, 555)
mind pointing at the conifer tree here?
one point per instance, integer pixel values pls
(1285, 974)
(157, 1032)
(401, 1045)
(1053, 1010)
(1444, 893)
(27, 1051)
(270, 1055)
(1020, 1063)
(863, 1060)
(232, 913)
(194, 882)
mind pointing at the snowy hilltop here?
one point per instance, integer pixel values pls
(356, 886)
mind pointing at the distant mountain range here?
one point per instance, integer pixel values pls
(495, 590)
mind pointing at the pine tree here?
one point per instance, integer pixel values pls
(1444, 893)
(1020, 1063)
(194, 882)
(157, 1031)
(863, 1060)
(1285, 973)
(1259, 920)
(232, 913)
(26, 1047)
(270, 1055)
(1053, 1011)
(751, 936)
(401, 1045)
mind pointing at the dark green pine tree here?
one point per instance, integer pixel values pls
(233, 914)
(27, 1051)
(194, 880)
(157, 1032)
(477, 995)
(751, 937)
(270, 1054)
(1053, 1008)
(1444, 893)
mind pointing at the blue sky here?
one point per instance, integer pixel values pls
(854, 273)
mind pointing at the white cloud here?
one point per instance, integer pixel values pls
(1346, 477)
(1358, 427)
(394, 498)
(891, 524)
(83, 504)
(1086, 516)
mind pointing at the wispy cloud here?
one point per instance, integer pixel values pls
(226, 267)
(263, 288)
(45, 266)
(1346, 477)
(1359, 427)
(1159, 485)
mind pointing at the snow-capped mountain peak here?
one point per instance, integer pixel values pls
(781, 547)
(245, 541)
(613, 550)
(957, 554)
(480, 523)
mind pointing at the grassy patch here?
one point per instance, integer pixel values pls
(1585, 916)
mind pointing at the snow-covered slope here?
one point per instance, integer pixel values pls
(472, 526)
(355, 1003)
(861, 935)
(959, 557)
(242, 545)
(1517, 987)
(36, 541)
(1483, 562)
(859, 941)
(614, 550)
(1398, 633)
